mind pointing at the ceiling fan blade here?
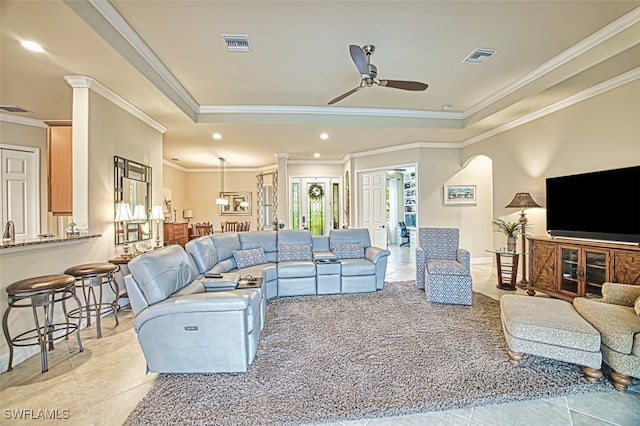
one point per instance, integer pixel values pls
(415, 86)
(344, 95)
(359, 59)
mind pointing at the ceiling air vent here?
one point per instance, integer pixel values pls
(237, 43)
(13, 108)
(479, 56)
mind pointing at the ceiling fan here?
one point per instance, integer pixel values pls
(362, 59)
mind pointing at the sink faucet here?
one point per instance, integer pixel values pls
(9, 232)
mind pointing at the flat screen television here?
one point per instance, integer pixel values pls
(603, 205)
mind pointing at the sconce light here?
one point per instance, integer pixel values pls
(244, 204)
(187, 214)
(157, 215)
(221, 201)
(123, 215)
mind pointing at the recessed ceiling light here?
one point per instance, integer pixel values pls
(217, 136)
(31, 45)
(316, 155)
(324, 136)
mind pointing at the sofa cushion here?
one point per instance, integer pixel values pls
(226, 243)
(445, 267)
(548, 321)
(296, 269)
(350, 236)
(249, 257)
(162, 272)
(203, 253)
(356, 267)
(268, 240)
(636, 306)
(293, 252)
(620, 294)
(348, 250)
(618, 325)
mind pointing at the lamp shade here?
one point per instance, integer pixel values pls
(157, 213)
(522, 200)
(123, 212)
(187, 214)
(139, 214)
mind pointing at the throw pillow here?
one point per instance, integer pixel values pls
(636, 306)
(250, 257)
(294, 252)
(348, 250)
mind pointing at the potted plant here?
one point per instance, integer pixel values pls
(510, 229)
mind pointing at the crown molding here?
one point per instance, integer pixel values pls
(567, 102)
(325, 110)
(573, 52)
(139, 54)
(84, 82)
(10, 118)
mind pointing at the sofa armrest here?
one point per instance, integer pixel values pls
(620, 294)
(464, 257)
(221, 301)
(374, 254)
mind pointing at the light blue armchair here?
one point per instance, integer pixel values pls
(442, 267)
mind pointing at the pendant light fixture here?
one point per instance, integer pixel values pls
(221, 201)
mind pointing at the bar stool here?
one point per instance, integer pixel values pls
(88, 277)
(42, 291)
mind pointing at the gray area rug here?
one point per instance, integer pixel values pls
(344, 357)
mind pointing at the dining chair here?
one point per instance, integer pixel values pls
(204, 229)
(229, 226)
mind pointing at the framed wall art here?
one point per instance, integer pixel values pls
(238, 203)
(460, 194)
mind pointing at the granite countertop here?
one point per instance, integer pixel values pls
(26, 242)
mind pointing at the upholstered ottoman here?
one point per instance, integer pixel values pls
(550, 328)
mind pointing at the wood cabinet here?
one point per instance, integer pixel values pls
(60, 170)
(175, 233)
(572, 268)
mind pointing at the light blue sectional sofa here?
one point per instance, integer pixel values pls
(183, 328)
(288, 267)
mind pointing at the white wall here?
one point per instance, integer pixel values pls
(111, 131)
(600, 133)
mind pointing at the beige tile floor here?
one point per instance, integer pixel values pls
(101, 385)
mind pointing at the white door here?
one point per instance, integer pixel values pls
(372, 212)
(20, 189)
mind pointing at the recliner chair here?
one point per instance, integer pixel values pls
(443, 269)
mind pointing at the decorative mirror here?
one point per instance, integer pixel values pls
(238, 203)
(132, 201)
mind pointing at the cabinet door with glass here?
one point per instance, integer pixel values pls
(582, 271)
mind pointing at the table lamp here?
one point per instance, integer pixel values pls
(187, 214)
(523, 200)
(157, 215)
(123, 215)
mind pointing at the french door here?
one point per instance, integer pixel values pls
(315, 204)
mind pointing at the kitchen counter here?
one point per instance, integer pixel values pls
(25, 243)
